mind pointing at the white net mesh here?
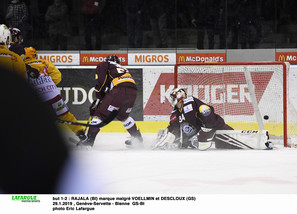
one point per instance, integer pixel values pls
(243, 94)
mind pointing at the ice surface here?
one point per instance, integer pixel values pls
(112, 168)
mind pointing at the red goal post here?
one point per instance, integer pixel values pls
(248, 95)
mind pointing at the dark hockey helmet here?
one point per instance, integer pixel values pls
(113, 58)
(16, 33)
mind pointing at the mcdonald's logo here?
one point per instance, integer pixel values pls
(282, 58)
(181, 59)
(85, 59)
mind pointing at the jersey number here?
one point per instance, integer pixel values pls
(181, 118)
(121, 70)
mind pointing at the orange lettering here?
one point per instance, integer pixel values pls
(138, 58)
(58, 59)
(52, 59)
(166, 58)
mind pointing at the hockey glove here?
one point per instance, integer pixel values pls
(94, 106)
(32, 72)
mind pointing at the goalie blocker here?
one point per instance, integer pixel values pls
(223, 139)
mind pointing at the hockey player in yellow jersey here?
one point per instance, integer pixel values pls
(43, 66)
(9, 59)
(45, 85)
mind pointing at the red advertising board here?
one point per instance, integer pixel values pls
(290, 57)
(95, 59)
(233, 95)
(193, 58)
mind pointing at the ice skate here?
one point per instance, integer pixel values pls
(86, 142)
(134, 142)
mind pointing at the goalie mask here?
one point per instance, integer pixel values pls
(177, 95)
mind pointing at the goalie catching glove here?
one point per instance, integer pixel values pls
(165, 140)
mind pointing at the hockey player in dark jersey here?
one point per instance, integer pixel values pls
(116, 94)
(192, 123)
(16, 44)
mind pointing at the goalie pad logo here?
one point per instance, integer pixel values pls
(188, 129)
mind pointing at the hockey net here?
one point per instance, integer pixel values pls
(249, 96)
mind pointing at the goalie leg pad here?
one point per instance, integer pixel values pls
(241, 139)
(204, 145)
(200, 145)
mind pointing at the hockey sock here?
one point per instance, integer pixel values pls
(131, 127)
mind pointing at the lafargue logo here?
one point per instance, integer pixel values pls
(25, 198)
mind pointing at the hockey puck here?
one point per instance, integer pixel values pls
(266, 117)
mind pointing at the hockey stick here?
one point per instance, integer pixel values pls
(75, 141)
(112, 115)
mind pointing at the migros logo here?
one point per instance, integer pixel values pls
(57, 58)
(152, 58)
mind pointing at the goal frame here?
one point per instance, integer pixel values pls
(285, 88)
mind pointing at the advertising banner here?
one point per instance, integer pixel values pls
(60, 58)
(157, 85)
(230, 96)
(290, 57)
(95, 58)
(151, 59)
(77, 89)
(192, 58)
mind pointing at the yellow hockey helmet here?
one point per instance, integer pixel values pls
(30, 52)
